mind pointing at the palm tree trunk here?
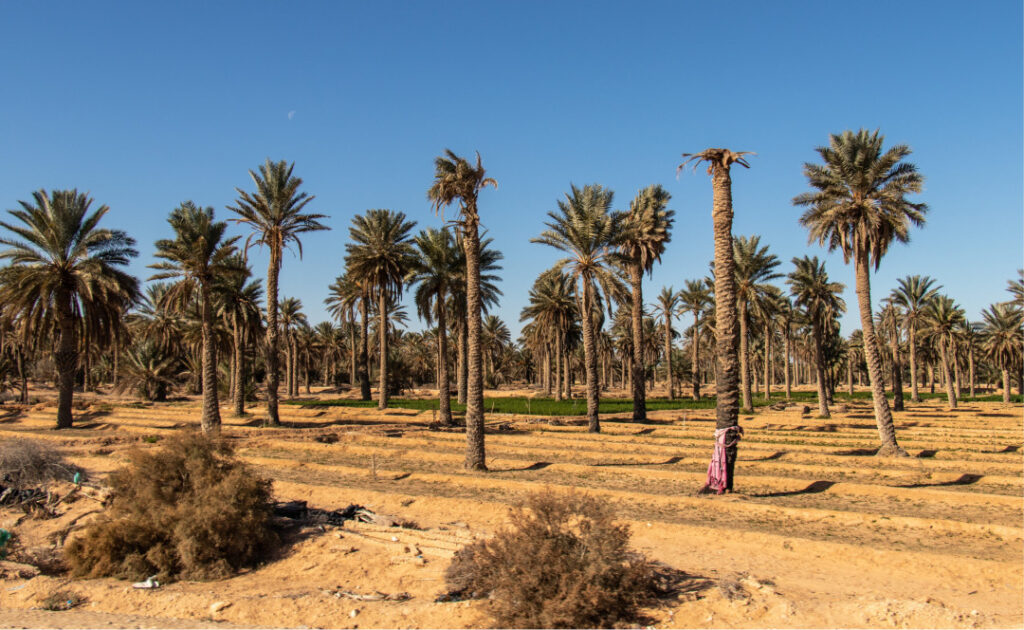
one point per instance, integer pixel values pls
(849, 374)
(970, 369)
(590, 358)
(210, 420)
(66, 359)
(559, 384)
(819, 367)
(364, 349)
(547, 369)
(567, 373)
(695, 369)
(22, 377)
(639, 393)
(668, 355)
(748, 403)
(475, 455)
(897, 375)
(883, 415)
(382, 334)
(1006, 385)
(443, 390)
(239, 378)
(786, 343)
(915, 396)
(767, 363)
(726, 342)
(272, 336)
(950, 390)
(931, 378)
(463, 366)
(353, 352)
(287, 364)
(116, 352)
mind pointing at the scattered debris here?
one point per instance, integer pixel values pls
(216, 607)
(376, 596)
(151, 582)
(805, 410)
(299, 511)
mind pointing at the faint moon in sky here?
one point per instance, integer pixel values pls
(291, 114)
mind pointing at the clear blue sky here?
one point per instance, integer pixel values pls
(147, 104)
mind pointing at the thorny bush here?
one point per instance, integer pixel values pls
(561, 563)
(188, 510)
(25, 463)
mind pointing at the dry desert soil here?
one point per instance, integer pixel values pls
(819, 533)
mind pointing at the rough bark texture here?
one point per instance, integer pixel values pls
(559, 381)
(462, 365)
(590, 358)
(767, 363)
(970, 369)
(475, 455)
(897, 375)
(364, 350)
(210, 419)
(66, 359)
(883, 415)
(352, 352)
(1006, 386)
(668, 356)
(639, 393)
(444, 394)
(726, 342)
(272, 337)
(695, 372)
(785, 368)
(912, 333)
(382, 334)
(947, 377)
(819, 368)
(748, 403)
(239, 377)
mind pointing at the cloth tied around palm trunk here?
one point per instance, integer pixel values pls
(717, 480)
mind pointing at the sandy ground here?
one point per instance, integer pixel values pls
(820, 533)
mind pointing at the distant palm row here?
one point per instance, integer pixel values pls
(68, 311)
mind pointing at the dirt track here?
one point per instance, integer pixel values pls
(819, 533)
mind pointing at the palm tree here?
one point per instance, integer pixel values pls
(913, 295)
(820, 300)
(695, 298)
(432, 274)
(888, 328)
(149, 371)
(196, 257)
(788, 316)
(291, 318)
(239, 307)
(1002, 340)
(552, 306)
(860, 207)
(754, 268)
(1016, 289)
(668, 303)
(382, 253)
(720, 162)
(64, 268)
(942, 318)
(456, 179)
(344, 295)
(646, 231)
(274, 213)
(586, 230)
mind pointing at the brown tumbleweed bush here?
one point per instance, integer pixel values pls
(25, 463)
(561, 563)
(188, 510)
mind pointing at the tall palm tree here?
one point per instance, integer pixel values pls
(274, 213)
(587, 231)
(239, 306)
(665, 308)
(456, 179)
(912, 295)
(727, 410)
(432, 273)
(1003, 339)
(381, 251)
(788, 317)
(860, 206)
(888, 328)
(345, 294)
(489, 294)
(820, 300)
(196, 257)
(64, 268)
(942, 318)
(695, 298)
(291, 318)
(552, 306)
(646, 230)
(754, 268)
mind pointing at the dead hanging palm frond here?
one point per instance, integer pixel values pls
(722, 158)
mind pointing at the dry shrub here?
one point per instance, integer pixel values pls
(562, 563)
(186, 511)
(25, 463)
(61, 599)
